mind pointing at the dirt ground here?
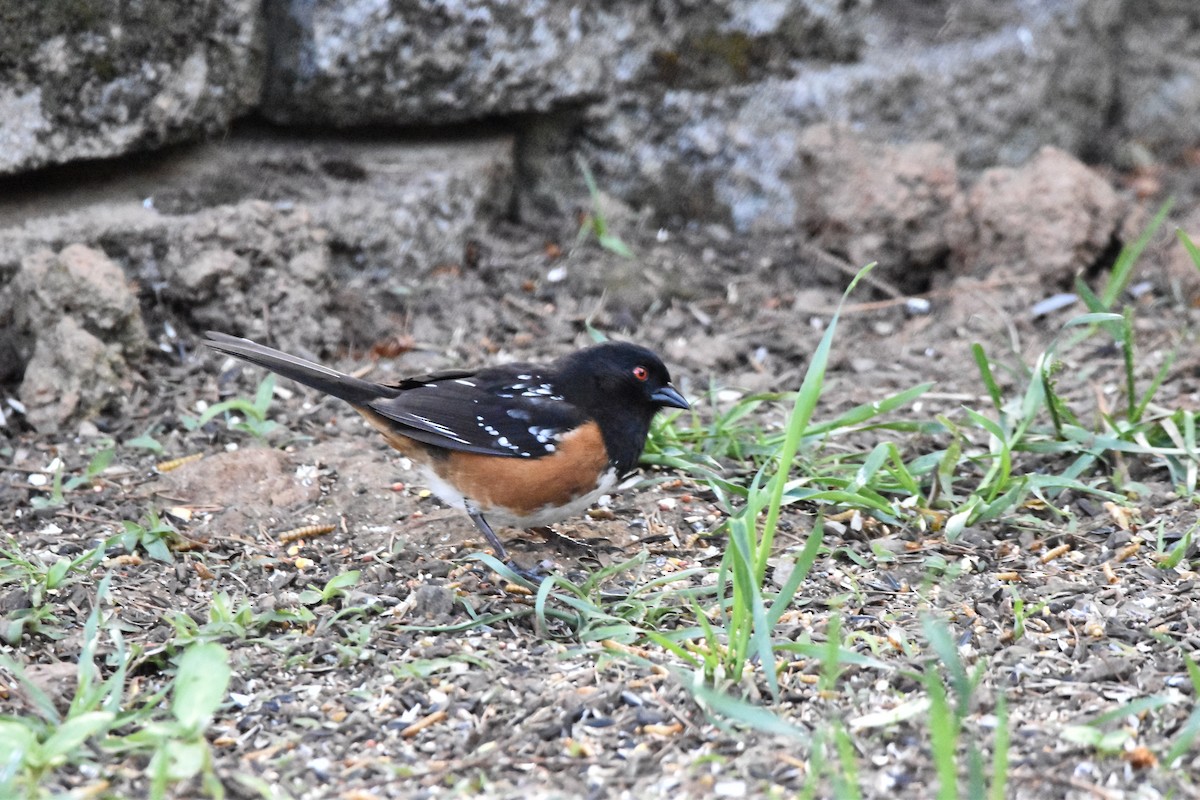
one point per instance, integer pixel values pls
(326, 707)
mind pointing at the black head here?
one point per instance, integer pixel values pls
(622, 386)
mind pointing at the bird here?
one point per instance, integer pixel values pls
(518, 445)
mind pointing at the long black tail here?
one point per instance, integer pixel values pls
(354, 391)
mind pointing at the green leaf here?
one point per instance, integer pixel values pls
(943, 737)
(1190, 246)
(1093, 303)
(939, 638)
(1000, 751)
(200, 684)
(1122, 271)
(311, 597)
(1187, 734)
(910, 709)
(1132, 709)
(56, 573)
(744, 713)
(185, 758)
(146, 442)
(100, 462)
(614, 244)
(75, 731)
(342, 581)
(158, 549)
(989, 380)
(18, 743)
(262, 397)
(37, 696)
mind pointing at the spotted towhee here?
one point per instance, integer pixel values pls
(523, 445)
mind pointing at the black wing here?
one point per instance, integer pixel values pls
(508, 411)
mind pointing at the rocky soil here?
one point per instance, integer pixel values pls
(428, 676)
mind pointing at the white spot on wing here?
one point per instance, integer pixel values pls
(438, 428)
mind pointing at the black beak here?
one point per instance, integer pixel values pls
(667, 396)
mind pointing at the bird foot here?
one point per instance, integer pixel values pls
(534, 575)
(579, 545)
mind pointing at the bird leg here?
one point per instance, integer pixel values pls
(490, 534)
(533, 576)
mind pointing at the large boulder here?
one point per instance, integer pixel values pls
(362, 62)
(71, 375)
(74, 328)
(96, 80)
(1053, 217)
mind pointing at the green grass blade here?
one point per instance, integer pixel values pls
(753, 630)
(742, 712)
(1122, 271)
(846, 783)
(802, 411)
(1190, 246)
(943, 737)
(200, 684)
(1151, 390)
(36, 696)
(1000, 751)
(262, 397)
(1128, 356)
(1131, 709)
(939, 638)
(861, 413)
(674, 648)
(831, 655)
(800, 569)
(870, 467)
(1187, 734)
(1094, 304)
(989, 379)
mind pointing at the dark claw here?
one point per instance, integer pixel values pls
(533, 575)
(565, 541)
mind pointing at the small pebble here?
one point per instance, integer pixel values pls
(730, 789)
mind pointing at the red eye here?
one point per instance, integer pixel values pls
(641, 373)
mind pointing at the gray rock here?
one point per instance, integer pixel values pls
(695, 109)
(433, 602)
(342, 229)
(72, 374)
(1158, 82)
(211, 273)
(736, 153)
(95, 80)
(83, 283)
(74, 322)
(427, 61)
(1053, 217)
(898, 205)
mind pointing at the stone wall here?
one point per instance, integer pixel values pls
(708, 97)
